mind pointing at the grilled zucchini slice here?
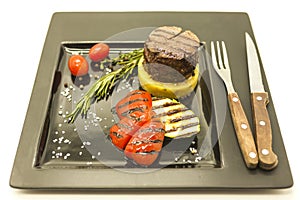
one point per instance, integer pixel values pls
(178, 120)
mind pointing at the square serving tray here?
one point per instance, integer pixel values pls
(37, 164)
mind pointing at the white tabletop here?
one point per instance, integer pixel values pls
(24, 25)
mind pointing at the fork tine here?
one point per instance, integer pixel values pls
(213, 55)
(220, 56)
(221, 64)
(225, 56)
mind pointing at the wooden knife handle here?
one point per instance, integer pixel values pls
(243, 131)
(263, 132)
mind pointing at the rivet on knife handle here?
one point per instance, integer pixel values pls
(243, 131)
(267, 158)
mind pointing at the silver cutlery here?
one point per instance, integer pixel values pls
(259, 99)
(241, 124)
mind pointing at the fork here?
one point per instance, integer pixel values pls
(242, 128)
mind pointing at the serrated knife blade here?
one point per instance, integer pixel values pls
(259, 99)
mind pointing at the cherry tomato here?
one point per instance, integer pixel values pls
(78, 65)
(98, 52)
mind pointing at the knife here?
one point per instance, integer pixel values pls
(268, 160)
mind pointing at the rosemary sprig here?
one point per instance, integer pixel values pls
(101, 88)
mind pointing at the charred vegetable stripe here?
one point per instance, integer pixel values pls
(131, 102)
(177, 118)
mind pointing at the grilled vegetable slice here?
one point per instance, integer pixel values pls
(146, 143)
(122, 132)
(137, 101)
(134, 110)
(179, 121)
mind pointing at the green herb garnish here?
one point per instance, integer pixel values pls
(101, 88)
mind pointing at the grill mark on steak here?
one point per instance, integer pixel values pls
(176, 47)
(180, 38)
(173, 31)
(172, 47)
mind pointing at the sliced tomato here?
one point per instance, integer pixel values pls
(146, 143)
(137, 132)
(122, 132)
(135, 101)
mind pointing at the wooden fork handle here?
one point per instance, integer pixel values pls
(267, 158)
(243, 131)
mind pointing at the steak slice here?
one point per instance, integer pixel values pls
(170, 46)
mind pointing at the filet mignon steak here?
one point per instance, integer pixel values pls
(171, 46)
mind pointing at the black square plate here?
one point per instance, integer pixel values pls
(55, 155)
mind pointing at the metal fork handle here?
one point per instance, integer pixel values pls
(243, 131)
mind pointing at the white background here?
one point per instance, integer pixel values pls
(24, 25)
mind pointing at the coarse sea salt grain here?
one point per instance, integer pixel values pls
(67, 155)
(59, 154)
(88, 143)
(60, 139)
